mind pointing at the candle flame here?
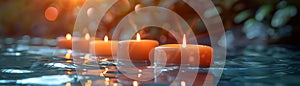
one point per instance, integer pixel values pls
(182, 83)
(184, 41)
(69, 51)
(105, 38)
(68, 36)
(135, 83)
(138, 37)
(87, 36)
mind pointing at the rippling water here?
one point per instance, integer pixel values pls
(253, 65)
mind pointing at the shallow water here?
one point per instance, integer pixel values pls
(253, 65)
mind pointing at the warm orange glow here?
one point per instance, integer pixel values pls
(88, 83)
(68, 84)
(105, 38)
(87, 56)
(184, 41)
(107, 79)
(138, 37)
(68, 56)
(87, 36)
(51, 13)
(135, 83)
(68, 36)
(139, 75)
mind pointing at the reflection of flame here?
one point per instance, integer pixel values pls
(68, 56)
(68, 36)
(68, 84)
(87, 36)
(106, 81)
(86, 56)
(105, 39)
(138, 37)
(137, 7)
(88, 83)
(184, 41)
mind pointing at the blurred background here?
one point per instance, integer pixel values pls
(245, 21)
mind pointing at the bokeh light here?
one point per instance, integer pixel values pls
(51, 13)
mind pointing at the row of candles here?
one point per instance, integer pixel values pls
(139, 50)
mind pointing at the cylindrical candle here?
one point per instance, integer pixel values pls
(82, 44)
(64, 42)
(137, 50)
(103, 48)
(172, 54)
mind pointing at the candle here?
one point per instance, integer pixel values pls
(137, 50)
(65, 42)
(103, 48)
(82, 44)
(172, 54)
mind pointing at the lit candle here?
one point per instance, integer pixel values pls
(172, 54)
(103, 48)
(138, 50)
(65, 42)
(82, 44)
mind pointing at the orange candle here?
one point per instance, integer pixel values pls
(83, 44)
(137, 49)
(65, 42)
(172, 54)
(103, 48)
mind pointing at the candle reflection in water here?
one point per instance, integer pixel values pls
(88, 83)
(68, 84)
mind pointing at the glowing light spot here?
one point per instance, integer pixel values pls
(87, 36)
(182, 83)
(107, 79)
(105, 39)
(139, 75)
(68, 84)
(89, 12)
(69, 51)
(184, 41)
(68, 36)
(135, 83)
(68, 56)
(137, 7)
(51, 13)
(138, 37)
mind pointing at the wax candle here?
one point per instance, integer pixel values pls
(82, 44)
(65, 42)
(104, 48)
(172, 54)
(136, 49)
